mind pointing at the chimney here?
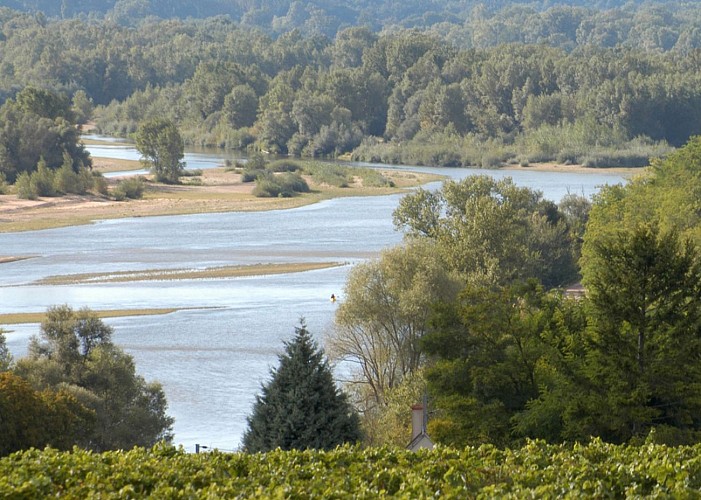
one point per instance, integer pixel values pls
(417, 421)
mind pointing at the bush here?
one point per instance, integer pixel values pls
(251, 175)
(67, 181)
(99, 183)
(130, 188)
(24, 187)
(326, 173)
(373, 178)
(285, 185)
(284, 166)
(42, 181)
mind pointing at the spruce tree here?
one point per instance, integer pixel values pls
(301, 407)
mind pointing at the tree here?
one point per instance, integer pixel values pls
(492, 231)
(379, 325)
(75, 354)
(301, 407)
(645, 291)
(5, 356)
(29, 418)
(162, 149)
(485, 352)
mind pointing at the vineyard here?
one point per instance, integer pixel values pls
(536, 470)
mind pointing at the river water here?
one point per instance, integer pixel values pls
(213, 355)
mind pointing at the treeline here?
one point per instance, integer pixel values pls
(471, 310)
(660, 24)
(401, 96)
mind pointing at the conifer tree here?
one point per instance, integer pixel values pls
(301, 407)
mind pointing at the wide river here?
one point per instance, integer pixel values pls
(213, 355)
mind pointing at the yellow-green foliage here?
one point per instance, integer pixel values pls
(538, 470)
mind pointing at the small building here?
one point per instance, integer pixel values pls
(419, 437)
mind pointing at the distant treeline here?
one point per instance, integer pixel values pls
(476, 22)
(599, 93)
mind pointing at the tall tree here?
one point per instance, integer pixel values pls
(162, 149)
(301, 407)
(380, 323)
(29, 418)
(645, 291)
(5, 356)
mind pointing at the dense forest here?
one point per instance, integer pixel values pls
(329, 16)
(517, 85)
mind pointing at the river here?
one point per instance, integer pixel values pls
(213, 355)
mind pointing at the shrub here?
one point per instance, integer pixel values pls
(326, 173)
(99, 183)
(24, 187)
(284, 185)
(42, 181)
(130, 188)
(250, 175)
(284, 166)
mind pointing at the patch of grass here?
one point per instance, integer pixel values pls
(185, 274)
(105, 165)
(329, 174)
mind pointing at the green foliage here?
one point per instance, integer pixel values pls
(75, 355)
(644, 292)
(130, 188)
(300, 407)
(282, 185)
(591, 470)
(24, 187)
(492, 232)
(68, 181)
(284, 166)
(380, 322)
(36, 127)
(41, 182)
(487, 349)
(328, 173)
(162, 149)
(5, 355)
(38, 419)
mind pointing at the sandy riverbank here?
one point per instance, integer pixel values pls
(216, 190)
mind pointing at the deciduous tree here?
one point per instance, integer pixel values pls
(75, 354)
(162, 149)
